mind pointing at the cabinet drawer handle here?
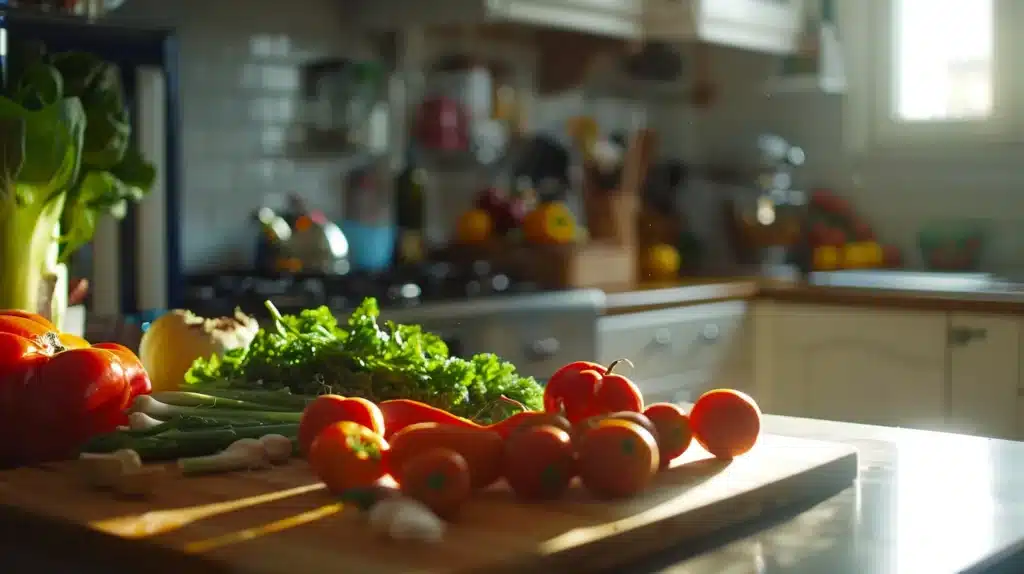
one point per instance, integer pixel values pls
(663, 337)
(710, 333)
(960, 336)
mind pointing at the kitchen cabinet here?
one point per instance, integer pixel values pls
(853, 364)
(771, 26)
(984, 370)
(954, 372)
(680, 352)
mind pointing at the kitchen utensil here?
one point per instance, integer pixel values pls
(373, 246)
(953, 244)
(340, 96)
(300, 240)
(705, 91)
(369, 217)
(303, 528)
(442, 124)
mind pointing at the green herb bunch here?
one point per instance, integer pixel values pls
(310, 354)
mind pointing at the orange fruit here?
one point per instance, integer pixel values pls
(662, 261)
(551, 223)
(726, 422)
(474, 226)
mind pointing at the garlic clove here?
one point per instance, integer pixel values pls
(140, 482)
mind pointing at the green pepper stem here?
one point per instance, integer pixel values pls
(616, 362)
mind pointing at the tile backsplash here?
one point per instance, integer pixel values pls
(240, 90)
(240, 93)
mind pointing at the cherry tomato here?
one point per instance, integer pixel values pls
(439, 478)
(641, 419)
(348, 455)
(617, 458)
(726, 422)
(539, 462)
(138, 378)
(70, 397)
(326, 410)
(34, 317)
(673, 430)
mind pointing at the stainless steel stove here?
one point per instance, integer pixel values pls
(401, 287)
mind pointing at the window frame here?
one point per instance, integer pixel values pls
(871, 63)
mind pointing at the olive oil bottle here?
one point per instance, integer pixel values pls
(410, 213)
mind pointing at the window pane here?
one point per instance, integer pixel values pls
(944, 59)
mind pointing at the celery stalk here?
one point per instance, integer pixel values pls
(29, 269)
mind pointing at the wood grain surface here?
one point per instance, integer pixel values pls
(282, 521)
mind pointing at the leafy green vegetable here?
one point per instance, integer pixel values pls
(310, 353)
(65, 159)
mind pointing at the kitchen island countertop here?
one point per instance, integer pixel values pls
(878, 293)
(924, 502)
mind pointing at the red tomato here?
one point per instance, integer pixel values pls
(36, 318)
(347, 455)
(726, 422)
(439, 478)
(674, 434)
(138, 378)
(329, 409)
(617, 459)
(581, 390)
(862, 231)
(539, 463)
(18, 358)
(21, 326)
(615, 393)
(570, 390)
(70, 397)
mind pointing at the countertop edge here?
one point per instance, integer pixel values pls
(667, 296)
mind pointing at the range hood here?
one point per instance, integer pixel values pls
(771, 26)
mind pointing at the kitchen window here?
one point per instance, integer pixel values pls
(936, 74)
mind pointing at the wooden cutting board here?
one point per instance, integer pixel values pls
(282, 521)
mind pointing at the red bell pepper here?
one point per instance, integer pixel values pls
(400, 413)
(53, 399)
(581, 390)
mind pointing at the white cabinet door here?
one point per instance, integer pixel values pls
(861, 365)
(984, 366)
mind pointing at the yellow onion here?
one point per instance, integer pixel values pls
(176, 339)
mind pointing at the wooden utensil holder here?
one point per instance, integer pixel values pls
(608, 258)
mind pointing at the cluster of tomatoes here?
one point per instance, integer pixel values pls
(595, 426)
(57, 390)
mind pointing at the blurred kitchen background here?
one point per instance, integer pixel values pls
(437, 155)
(320, 103)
